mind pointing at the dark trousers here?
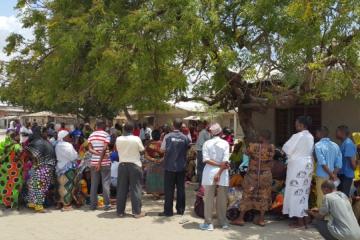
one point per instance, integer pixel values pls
(129, 180)
(172, 180)
(96, 176)
(323, 229)
(345, 184)
(199, 166)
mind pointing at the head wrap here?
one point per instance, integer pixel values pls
(62, 134)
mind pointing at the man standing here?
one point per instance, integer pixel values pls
(100, 165)
(175, 145)
(130, 173)
(204, 135)
(216, 154)
(336, 206)
(348, 150)
(329, 161)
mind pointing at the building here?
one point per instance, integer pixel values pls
(190, 112)
(9, 113)
(45, 117)
(281, 122)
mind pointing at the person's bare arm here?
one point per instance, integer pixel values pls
(332, 175)
(352, 162)
(102, 155)
(92, 150)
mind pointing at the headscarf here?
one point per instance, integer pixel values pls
(41, 149)
(62, 134)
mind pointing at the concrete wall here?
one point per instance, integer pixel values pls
(341, 112)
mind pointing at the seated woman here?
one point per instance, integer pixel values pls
(155, 169)
(258, 180)
(66, 169)
(11, 166)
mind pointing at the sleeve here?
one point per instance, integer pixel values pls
(205, 152)
(141, 145)
(226, 153)
(74, 154)
(350, 150)
(163, 144)
(319, 156)
(107, 139)
(338, 160)
(289, 146)
(324, 209)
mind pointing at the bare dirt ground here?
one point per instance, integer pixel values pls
(82, 224)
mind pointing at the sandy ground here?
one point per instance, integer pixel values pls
(95, 225)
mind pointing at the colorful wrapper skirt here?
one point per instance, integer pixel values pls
(39, 184)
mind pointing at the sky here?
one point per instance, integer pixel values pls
(9, 23)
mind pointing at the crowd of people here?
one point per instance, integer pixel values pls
(45, 166)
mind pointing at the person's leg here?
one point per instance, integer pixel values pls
(135, 177)
(319, 193)
(180, 192)
(347, 185)
(169, 188)
(122, 188)
(106, 181)
(221, 205)
(209, 203)
(199, 166)
(95, 179)
(322, 227)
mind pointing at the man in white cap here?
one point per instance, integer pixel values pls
(215, 178)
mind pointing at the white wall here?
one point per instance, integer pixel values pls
(341, 112)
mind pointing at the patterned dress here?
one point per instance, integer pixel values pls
(41, 173)
(258, 180)
(11, 178)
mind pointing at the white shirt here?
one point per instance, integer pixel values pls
(218, 150)
(65, 153)
(300, 145)
(144, 132)
(114, 169)
(129, 148)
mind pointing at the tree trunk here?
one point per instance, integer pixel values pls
(127, 115)
(247, 125)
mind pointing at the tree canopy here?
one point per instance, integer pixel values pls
(95, 57)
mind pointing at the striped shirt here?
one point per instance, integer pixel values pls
(98, 139)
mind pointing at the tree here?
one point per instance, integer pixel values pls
(275, 53)
(94, 57)
(243, 55)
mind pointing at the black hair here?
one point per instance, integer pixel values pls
(305, 120)
(328, 184)
(129, 127)
(345, 129)
(265, 134)
(156, 135)
(62, 125)
(100, 124)
(324, 130)
(177, 123)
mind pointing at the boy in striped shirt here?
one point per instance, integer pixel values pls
(100, 165)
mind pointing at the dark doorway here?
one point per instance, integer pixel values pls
(285, 120)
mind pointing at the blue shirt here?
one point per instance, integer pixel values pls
(348, 150)
(327, 153)
(175, 145)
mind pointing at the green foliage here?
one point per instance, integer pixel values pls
(95, 57)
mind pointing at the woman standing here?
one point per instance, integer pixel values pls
(299, 149)
(42, 171)
(11, 165)
(258, 180)
(155, 169)
(65, 169)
